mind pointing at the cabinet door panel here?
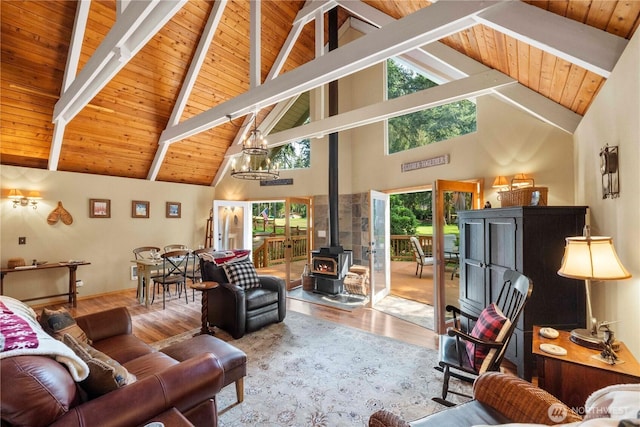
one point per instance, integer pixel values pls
(500, 247)
(472, 294)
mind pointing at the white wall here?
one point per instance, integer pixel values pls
(613, 119)
(106, 243)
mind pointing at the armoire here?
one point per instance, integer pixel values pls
(531, 240)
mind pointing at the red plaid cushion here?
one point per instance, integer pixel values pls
(492, 325)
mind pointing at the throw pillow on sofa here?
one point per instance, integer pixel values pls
(105, 374)
(242, 273)
(492, 325)
(59, 322)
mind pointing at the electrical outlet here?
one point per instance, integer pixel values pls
(22, 240)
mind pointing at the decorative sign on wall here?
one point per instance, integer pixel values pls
(427, 163)
(281, 181)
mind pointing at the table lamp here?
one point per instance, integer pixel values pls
(591, 258)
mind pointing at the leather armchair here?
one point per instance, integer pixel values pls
(237, 310)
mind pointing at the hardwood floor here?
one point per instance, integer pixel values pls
(153, 323)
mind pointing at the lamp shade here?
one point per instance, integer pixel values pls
(591, 258)
(15, 194)
(500, 182)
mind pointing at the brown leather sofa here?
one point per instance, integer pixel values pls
(498, 399)
(39, 391)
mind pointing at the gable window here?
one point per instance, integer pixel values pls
(296, 154)
(427, 126)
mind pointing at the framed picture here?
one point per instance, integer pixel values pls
(134, 272)
(139, 209)
(174, 210)
(99, 208)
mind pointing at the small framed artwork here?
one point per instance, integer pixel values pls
(535, 198)
(139, 209)
(99, 208)
(134, 272)
(174, 210)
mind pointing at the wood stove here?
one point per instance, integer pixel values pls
(329, 266)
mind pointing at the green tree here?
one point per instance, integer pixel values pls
(426, 126)
(403, 221)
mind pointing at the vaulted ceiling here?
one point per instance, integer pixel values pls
(144, 89)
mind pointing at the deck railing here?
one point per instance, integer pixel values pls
(271, 249)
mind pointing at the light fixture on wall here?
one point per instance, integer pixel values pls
(19, 199)
(591, 258)
(609, 171)
(254, 163)
(500, 183)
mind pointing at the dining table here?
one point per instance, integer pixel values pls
(146, 267)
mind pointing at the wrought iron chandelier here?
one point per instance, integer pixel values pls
(254, 163)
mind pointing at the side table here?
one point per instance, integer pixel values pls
(573, 377)
(204, 287)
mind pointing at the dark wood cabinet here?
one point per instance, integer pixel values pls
(528, 239)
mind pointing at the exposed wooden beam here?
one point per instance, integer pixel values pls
(420, 28)
(449, 64)
(255, 44)
(190, 79)
(593, 49)
(140, 21)
(477, 85)
(73, 58)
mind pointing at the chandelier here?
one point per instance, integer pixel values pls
(255, 163)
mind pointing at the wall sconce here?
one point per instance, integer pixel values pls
(500, 183)
(19, 199)
(609, 171)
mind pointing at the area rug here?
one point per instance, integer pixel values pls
(346, 302)
(310, 372)
(406, 309)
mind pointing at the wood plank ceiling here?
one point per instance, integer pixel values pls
(118, 132)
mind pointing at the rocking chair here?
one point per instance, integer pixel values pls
(466, 353)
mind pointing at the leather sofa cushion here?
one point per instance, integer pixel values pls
(211, 272)
(47, 391)
(149, 364)
(123, 348)
(260, 297)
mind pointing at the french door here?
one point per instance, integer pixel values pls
(455, 191)
(298, 238)
(379, 251)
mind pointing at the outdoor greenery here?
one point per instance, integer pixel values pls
(295, 155)
(426, 126)
(403, 220)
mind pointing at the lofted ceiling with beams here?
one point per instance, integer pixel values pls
(144, 91)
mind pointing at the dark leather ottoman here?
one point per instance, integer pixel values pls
(232, 359)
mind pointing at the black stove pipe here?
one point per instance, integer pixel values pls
(334, 220)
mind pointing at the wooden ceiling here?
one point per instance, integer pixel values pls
(118, 132)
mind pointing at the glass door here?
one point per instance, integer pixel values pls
(379, 251)
(449, 197)
(231, 225)
(298, 216)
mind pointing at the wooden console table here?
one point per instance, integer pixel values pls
(573, 377)
(72, 266)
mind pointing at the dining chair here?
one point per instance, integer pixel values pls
(418, 253)
(175, 247)
(145, 252)
(174, 272)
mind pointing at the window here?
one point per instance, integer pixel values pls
(296, 154)
(426, 126)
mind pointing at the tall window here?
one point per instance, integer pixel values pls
(296, 154)
(426, 126)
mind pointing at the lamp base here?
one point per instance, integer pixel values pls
(585, 338)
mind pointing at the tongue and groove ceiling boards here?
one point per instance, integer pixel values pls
(144, 89)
